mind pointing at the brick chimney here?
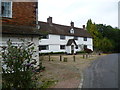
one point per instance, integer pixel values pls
(84, 27)
(72, 24)
(49, 20)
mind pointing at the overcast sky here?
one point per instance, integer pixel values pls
(79, 11)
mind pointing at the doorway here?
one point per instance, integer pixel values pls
(72, 49)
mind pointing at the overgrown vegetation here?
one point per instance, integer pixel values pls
(105, 38)
(18, 66)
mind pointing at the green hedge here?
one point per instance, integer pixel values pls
(52, 53)
(80, 52)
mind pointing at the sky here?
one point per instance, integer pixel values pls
(79, 11)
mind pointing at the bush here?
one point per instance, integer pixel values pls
(51, 53)
(18, 66)
(79, 52)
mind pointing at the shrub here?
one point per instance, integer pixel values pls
(51, 53)
(18, 66)
(78, 52)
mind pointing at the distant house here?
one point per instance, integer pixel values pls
(19, 21)
(62, 38)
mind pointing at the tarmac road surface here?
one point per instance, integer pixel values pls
(103, 73)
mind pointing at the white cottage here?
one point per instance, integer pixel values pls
(62, 38)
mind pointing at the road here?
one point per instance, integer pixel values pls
(103, 73)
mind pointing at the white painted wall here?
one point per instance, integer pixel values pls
(17, 40)
(54, 43)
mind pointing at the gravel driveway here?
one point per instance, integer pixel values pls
(64, 74)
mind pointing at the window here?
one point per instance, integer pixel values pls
(76, 38)
(62, 37)
(62, 46)
(43, 47)
(72, 31)
(85, 47)
(85, 38)
(6, 9)
(45, 36)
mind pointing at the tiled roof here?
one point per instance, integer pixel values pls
(62, 30)
(20, 30)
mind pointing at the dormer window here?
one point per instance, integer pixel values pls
(6, 9)
(72, 31)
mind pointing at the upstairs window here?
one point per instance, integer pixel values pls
(6, 9)
(45, 36)
(76, 38)
(85, 38)
(62, 37)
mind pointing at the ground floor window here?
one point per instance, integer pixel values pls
(43, 47)
(85, 47)
(62, 46)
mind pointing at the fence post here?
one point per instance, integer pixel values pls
(83, 56)
(74, 58)
(86, 56)
(60, 58)
(49, 57)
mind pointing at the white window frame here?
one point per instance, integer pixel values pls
(10, 16)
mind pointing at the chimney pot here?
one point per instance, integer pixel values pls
(72, 24)
(49, 20)
(84, 27)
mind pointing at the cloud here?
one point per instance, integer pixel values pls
(79, 11)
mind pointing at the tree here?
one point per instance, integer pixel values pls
(18, 66)
(104, 37)
(106, 45)
(92, 29)
(89, 23)
(112, 34)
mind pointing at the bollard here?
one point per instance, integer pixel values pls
(60, 58)
(83, 56)
(86, 56)
(49, 57)
(74, 58)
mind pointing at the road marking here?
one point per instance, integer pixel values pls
(81, 81)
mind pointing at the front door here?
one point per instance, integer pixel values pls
(72, 49)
